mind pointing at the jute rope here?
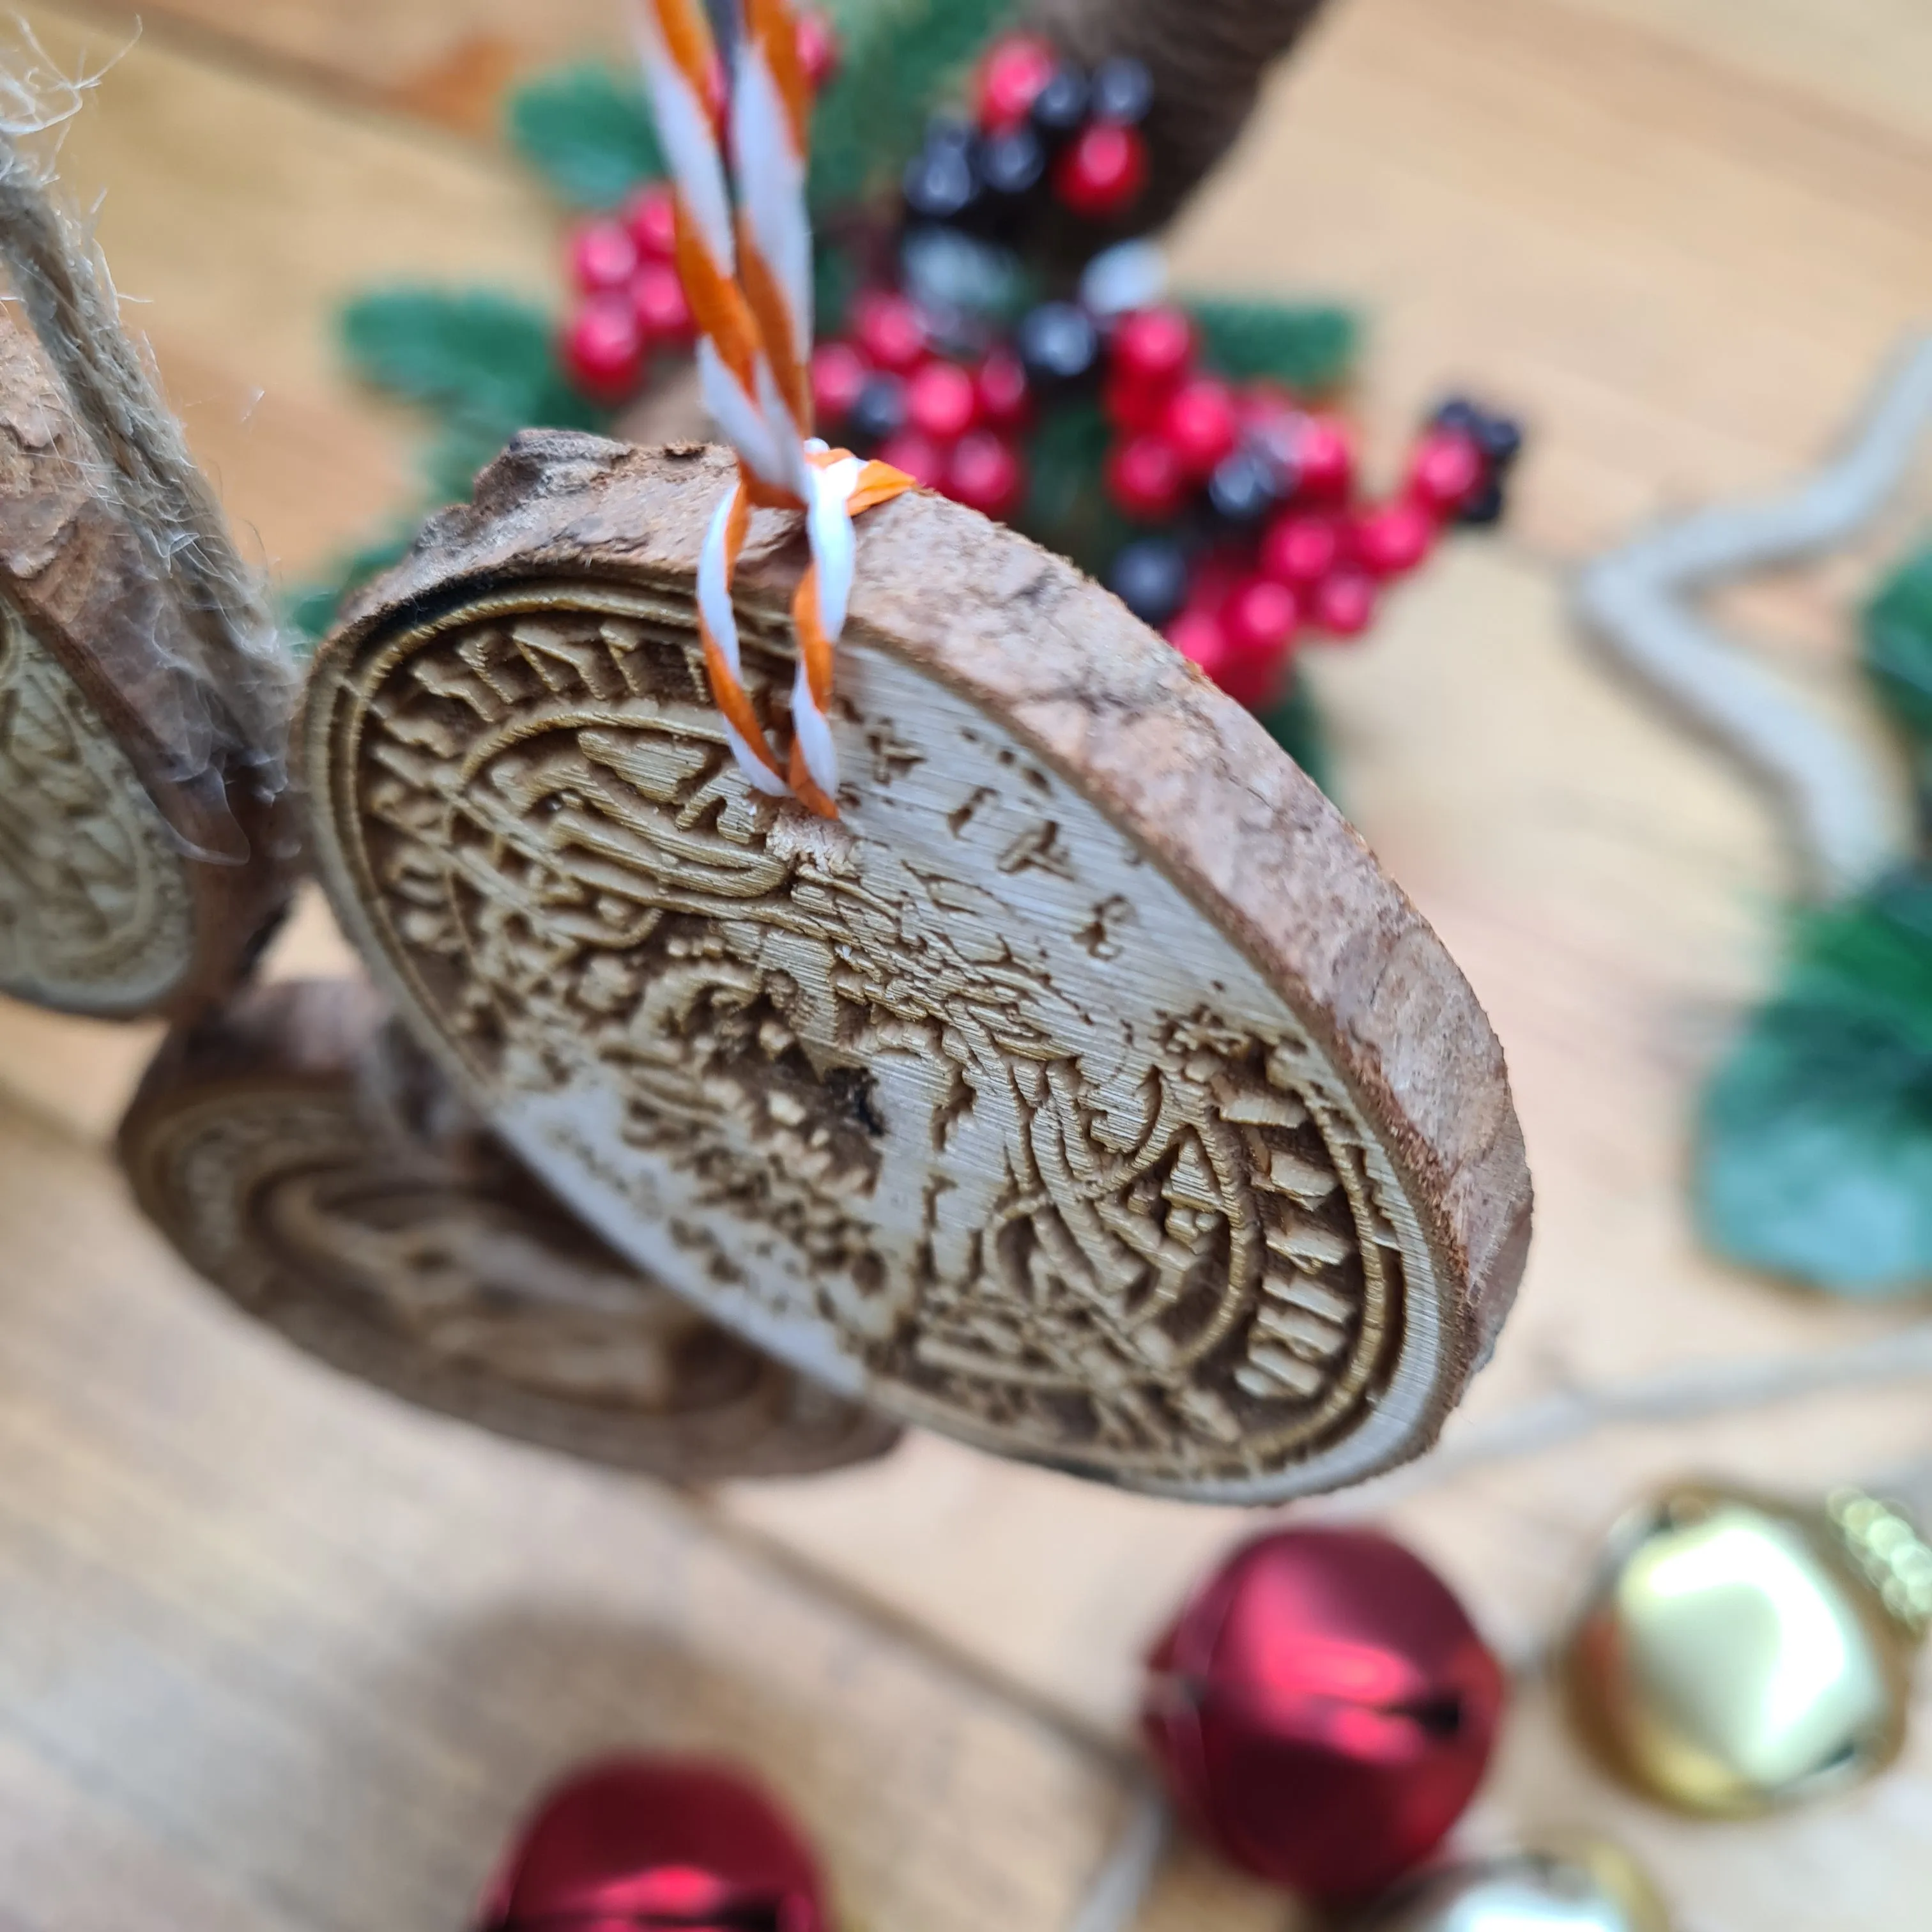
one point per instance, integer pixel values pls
(228, 653)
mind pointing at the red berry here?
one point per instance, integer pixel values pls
(657, 296)
(1135, 409)
(1393, 539)
(603, 348)
(918, 456)
(1145, 479)
(839, 373)
(1017, 66)
(986, 474)
(1153, 348)
(603, 257)
(1324, 459)
(1260, 618)
(651, 215)
(1197, 635)
(941, 402)
(1200, 423)
(1103, 173)
(1300, 550)
(1214, 579)
(1005, 400)
(890, 330)
(1233, 647)
(1445, 471)
(818, 48)
(1343, 603)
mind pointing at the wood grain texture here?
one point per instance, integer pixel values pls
(297, 1667)
(299, 1152)
(141, 864)
(1016, 1144)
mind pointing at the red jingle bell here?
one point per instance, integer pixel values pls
(1323, 1710)
(648, 1844)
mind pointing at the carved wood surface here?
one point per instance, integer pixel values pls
(314, 1167)
(1085, 1091)
(139, 870)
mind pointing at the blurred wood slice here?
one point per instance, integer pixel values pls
(141, 868)
(298, 1153)
(1085, 1091)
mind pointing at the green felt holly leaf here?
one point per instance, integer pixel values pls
(1898, 646)
(1066, 509)
(900, 60)
(475, 355)
(1814, 1153)
(586, 131)
(1308, 346)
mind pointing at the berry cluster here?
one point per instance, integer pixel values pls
(1260, 535)
(950, 424)
(630, 303)
(924, 377)
(1040, 127)
(1248, 533)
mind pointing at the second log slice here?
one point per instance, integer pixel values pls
(1084, 1091)
(306, 1160)
(144, 857)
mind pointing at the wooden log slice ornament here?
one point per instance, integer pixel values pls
(140, 864)
(1083, 1091)
(315, 1168)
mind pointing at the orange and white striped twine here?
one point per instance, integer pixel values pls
(746, 267)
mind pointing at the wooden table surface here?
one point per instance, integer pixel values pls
(278, 1655)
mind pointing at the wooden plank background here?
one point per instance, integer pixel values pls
(275, 1653)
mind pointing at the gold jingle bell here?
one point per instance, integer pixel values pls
(1589, 1887)
(1737, 1653)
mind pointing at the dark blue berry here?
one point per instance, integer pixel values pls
(1058, 343)
(1150, 577)
(1485, 507)
(1458, 412)
(1059, 108)
(1500, 440)
(950, 130)
(880, 411)
(940, 184)
(1244, 487)
(1122, 91)
(1012, 163)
